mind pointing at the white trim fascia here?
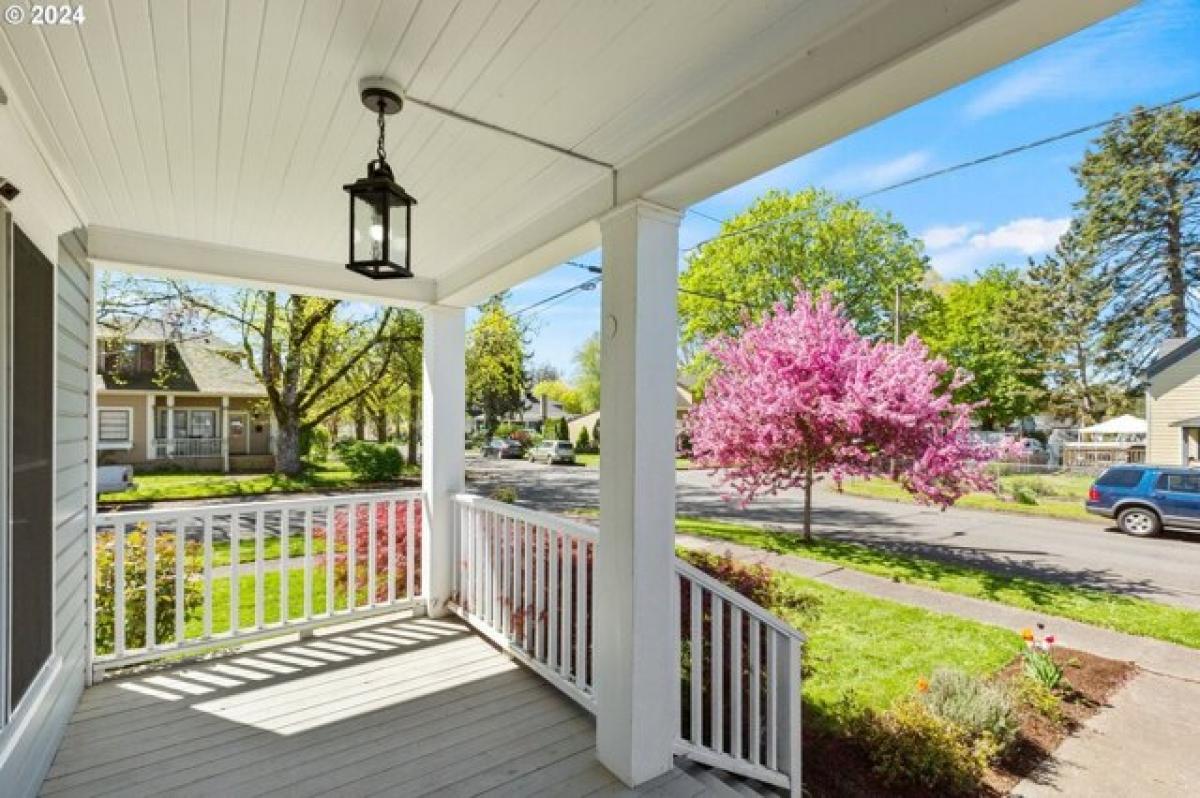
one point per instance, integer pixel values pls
(6, 337)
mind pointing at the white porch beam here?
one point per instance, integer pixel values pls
(893, 55)
(637, 678)
(443, 414)
(131, 251)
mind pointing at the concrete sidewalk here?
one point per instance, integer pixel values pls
(1142, 745)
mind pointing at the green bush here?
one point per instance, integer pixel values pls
(373, 462)
(909, 747)
(315, 443)
(135, 588)
(504, 494)
(584, 442)
(1040, 699)
(507, 429)
(977, 706)
(1023, 494)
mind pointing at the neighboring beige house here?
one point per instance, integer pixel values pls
(166, 400)
(1173, 404)
(590, 421)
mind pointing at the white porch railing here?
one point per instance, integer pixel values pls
(740, 672)
(165, 448)
(523, 581)
(249, 570)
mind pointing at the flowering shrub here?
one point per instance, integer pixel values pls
(801, 393)
(343, 541)
(134, 597)
(1039, 665)
(909, 746)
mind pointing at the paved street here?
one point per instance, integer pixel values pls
(1165, 569)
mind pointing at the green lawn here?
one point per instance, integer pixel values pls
(1100, 608)
(593, 461)
(207, 485)
(1053, 495)
(870, 651)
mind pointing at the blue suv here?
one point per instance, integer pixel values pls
(1145, 499)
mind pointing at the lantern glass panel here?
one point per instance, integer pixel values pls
(368, 228)
(398, 235)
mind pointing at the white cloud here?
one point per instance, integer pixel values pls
(944, 236)
(868, 177)
(1029, 236)
(957, 250)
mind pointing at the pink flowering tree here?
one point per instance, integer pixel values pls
(801, 395)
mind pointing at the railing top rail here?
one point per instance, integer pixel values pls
(194, 510)
(532, 516)
(719, 588)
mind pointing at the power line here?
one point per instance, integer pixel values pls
(586, 285)
(1066, 134)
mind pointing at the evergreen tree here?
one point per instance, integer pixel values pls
(495, 363)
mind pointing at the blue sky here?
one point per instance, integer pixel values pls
(1002, 212)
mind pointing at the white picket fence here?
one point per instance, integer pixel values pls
(223, 594)
(740, 710)
(523, 582)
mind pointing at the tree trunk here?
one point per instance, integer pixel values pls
(1174, 267)
(360, 428)
(808, 487)
(287, 448)
(414, 424)
(381, 428)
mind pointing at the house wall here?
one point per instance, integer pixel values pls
(137, 403)
(29, 742)
(138, 454)
(1173, 395)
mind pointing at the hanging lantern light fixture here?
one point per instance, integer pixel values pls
(380, 210)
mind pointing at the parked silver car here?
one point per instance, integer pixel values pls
(549, 452)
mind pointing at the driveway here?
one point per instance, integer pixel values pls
(1165, 569)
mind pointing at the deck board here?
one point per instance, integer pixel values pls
(410, 706)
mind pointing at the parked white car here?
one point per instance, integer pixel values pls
(113, 478)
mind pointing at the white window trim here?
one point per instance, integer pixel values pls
(103, 445)
(189, 410)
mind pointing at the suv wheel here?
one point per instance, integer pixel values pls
(1139, 522)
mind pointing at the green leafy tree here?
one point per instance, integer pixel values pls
(1061, 314)
(975, 329)
(587, 374)
(560, 392)
(495, 362)
(1140, 214)
(807, 241)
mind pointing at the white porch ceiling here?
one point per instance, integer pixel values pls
(236, 123)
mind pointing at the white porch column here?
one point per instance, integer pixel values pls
(170, 425)
(223, 432)
(443, 414)
(151, 447)
(637, 682)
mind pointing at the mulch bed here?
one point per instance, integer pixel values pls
(837, 767)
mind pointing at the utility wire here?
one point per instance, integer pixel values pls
(1066, 134)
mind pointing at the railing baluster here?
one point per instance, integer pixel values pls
(180, 531)
(552, 563)
(411, 566)
(308, 564)
(151, 585)
(539, 587)
(756, 693)
(235, 580)
(120, 529)
(285, 573)
(330, 558)
(390, 532)
(580, 612)
(565, 615)
(697, 657)
(259, 571)
(208, 575)
(372, 550)
(527, 590)
(716, 693)
(735, 682)
(505, 564)
(352, 555)
(772, 741)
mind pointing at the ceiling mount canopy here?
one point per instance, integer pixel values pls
(380, 209)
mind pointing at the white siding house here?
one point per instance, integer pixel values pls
(1173, 405)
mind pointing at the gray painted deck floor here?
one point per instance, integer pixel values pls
(403, 707)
